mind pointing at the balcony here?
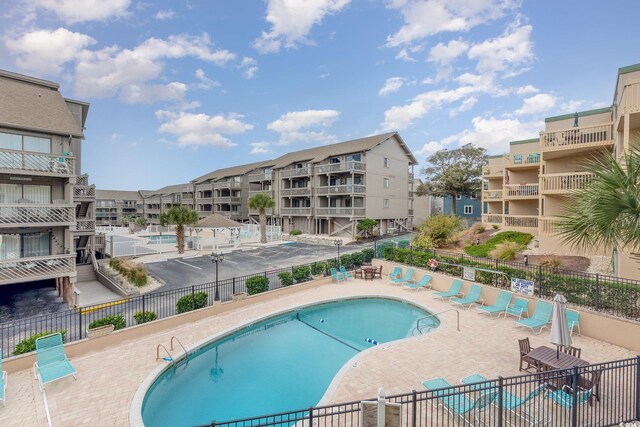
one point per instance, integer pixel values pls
(340, 167)
(630, 101)
(296, 172)
(562, 183)
(31, 214)
(267, 192)
(340, 189)
(230, 214)
(492, 195)
(268, 212)
(84, 192)
(31, 163)
(230, 185)
(529, 222)
(295, 211)
(549, 226)
(523, 191)
(582, 138)
(36, 268)
(86, 225)
(522, 161)
(292, 192)
(228, 200)
(340, 211)
(203, 187)
(259, 177)
(493, 173)
(492, 218)
(187, 201)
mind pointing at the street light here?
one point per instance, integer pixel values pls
(338, 243)
(217, 258)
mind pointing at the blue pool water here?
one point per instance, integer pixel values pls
(164, 239)
(280, 364)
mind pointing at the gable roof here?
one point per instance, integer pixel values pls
(230, 171)
(164, 191)
(217, 221)
(118, 195)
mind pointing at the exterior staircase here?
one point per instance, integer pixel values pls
(86, 273)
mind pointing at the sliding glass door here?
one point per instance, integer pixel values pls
(26, 245)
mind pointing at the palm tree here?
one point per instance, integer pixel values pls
(179, 216)
(606, 213)
(261, 202)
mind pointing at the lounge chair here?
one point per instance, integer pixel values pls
(397, 271)
(565, 400)
(573, 320)
(408, 275)
(541, 317)
(500, 306)
(420, 284)
(457, 403)
(347, 275)
(519, 308)
(453, 291)
(52, 363)
(3, 383)
(335, 275)
(474, 296)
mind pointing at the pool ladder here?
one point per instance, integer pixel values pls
(418, 329)
(170, 358)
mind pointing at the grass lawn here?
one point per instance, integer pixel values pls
(485, 248)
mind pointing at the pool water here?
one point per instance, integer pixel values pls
(280, 364)
(168, 238)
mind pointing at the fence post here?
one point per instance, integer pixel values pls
(143, 306)
(495, 276)
(500, 402)
(310, 416)
(574, 393)
(375, 249)
(637, 387)
(80, 324)
(233, 284)
(597, 296)
(414, 408)
(411, 255)
(193, 297)
(540, 280)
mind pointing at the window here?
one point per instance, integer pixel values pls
(468, 210)
(15, 193)
(386, 183)
(386, 162)
(354, 157)
(385, 203)
(458, 196)
(12, 141)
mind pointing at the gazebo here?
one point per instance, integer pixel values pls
(217, 232)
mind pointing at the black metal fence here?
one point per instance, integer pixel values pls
(603, 394)
(609, 294)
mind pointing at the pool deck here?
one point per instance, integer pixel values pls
(109, 378)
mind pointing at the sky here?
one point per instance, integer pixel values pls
(180, 88)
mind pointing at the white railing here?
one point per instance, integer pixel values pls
(304, 191)
(55, 164)
(264, 176)
(565, 182)
(521, 191)
(295, 211)
(84, 225)
(227, 184)
(549, 226)
(492, 194)
(84, 192)
(26, 214)
(288, 173)
(522, 159)
(582, 136)
(112, 229)
(630, 102)
(522, 221)
(341, 167)
(36, 268)
(492, 218)
(493, 171)
(250, 233)
(340, 189)
(340, 211)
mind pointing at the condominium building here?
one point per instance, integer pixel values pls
(112, 206)
(46, 205)
(527, 188)
(159, 201)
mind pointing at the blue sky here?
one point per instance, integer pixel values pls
(179, 88)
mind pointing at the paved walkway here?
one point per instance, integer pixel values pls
(108, 379)
(94, 292)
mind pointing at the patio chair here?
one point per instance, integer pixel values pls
(573, 320)
(420, 284)
(474, 296)
(525, 349)
(378, 273)
(457, 403)
(454, 290)
(499, 307)
(3, 383)
(408, 275)
(591, 383)
(397, 271)
(519, 308)
(540, 319)
(573, 351)
(52, 363)
(347, 275)
(357, 273)
(335, 275)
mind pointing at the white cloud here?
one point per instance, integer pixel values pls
(423, 18)
(404, 55)
(298, 126)
(162, 15)
(292, 20)
(393, 84)
(537, 104)
(260, 148)
(205, 82)
(525, 90)
(432, 146)
(466, 105)
(45, 51)
(73, 11)
(508, 52)
(495, 134)
(197, 129)
(150, 93)
(249, 66)
(444, 54)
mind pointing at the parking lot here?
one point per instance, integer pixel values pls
(180, 272)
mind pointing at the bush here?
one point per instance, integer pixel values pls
(367, 255)
(357, 258)
(331, 263)
(552, 262)
(318, 268)
(485, 248)
(479, 229)
(301, 274)
(191, 302)
(257, 284)
(286, 279)
(114, 263)
(295, 232)
(439, 229)
(144, 317)
(117, 320)
(506, 251)
(346, 260)
(134, 273)
(495, 226)
(29, 344)
(139, 278)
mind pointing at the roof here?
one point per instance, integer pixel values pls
(164, 191)
(231, 171)
(117, 195)
(217, 221)
(524, 141)
(629, 69)
(27, 103)
(580, 114)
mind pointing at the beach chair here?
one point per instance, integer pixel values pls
(453, 291)
(573, 320)
(519, 308)
(52, 364)
(347, 275)
(499, 307)
(564, 397)
(457, 403)
(408, 275)
(420, 284)
(541, 317)
(3, 383)
(474, 296)
(397, 271)
(335, 275)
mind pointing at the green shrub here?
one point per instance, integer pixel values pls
(144, 317)
(139, 278)
(286, 279)
(479, 229)
(134, 273)
(367, 255)
(506, 251)
(438, 230)
(318, 268)
(331, 263)
(117, 320)
(301, 274)
(485, 248)
(114, 263)
(403, 244)
(257, 284)
(551, 261)
(29, 344)
(357, 258)
(191, 302)
(495, 226)
(295, 232)
(346, 261)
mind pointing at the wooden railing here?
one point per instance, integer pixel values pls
(489, 195)
(525, 191)
(630, 102)
(554, 183)
(295, 211)
(492, 218)
(263, 176)
(203, 187)
(228, 199)
(340, 167)
(304, 191)
(267, 192)
(28, 161)
(493, 172)
(230, 214)
(522, 159)
(582, 136)
(87, 224)
(84, 191)
(548, 226)
(29, 214)
(36, 268)
(521, 221)
(227, 184)
(288, 173)
(341, 189)
(340, 211)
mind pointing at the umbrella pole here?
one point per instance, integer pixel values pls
(557, 352)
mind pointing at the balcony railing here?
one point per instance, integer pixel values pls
(287, 192)
(84, 192)
(36, 268)
(295, 211)
(14, 161)
(521, 221)
(203, 187)
(267, 212)
(341, 189)
(228, 199)
(558, 183)
(30, 214)
(583, 136)
(263, 176)
(493, 172)
(85, 225)
(267, 192)
(288, 173)
(522, 160)
(340, 211)
(492, 195)
(492, 218)
(340, 167)
(227, 184)
(187, 201)
(230, 214)
(524, 191)
(549, 226)
(630, 102)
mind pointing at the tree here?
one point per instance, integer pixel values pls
(366, 226)
(179, 216)
(606, 212)
(261, 202)
(454, 172)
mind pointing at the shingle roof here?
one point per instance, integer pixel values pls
(164, 191)
(32, 104)
(117, 195)
(231, 171)
(217, 221)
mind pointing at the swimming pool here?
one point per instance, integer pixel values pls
(279, 364)
(166, 238)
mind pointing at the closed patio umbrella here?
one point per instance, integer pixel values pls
(560, 335)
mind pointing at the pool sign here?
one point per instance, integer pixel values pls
(522, 286)
(469, 273)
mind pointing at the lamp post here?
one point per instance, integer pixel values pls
(217, 258)
(338, 243)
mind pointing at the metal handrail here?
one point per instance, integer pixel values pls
(165, 349)
(186, 353)
(417, 328)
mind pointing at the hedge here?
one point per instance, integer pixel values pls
(117, 320)
(257, 284)
(144, 316)
(301, 274)
(28, 345)
(286, 279)
(191, 302)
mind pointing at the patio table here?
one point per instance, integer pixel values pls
(547, 356)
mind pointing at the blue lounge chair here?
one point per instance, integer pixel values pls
(397, 271)
(345, 273)
(573, 320)
(420, 284)
(408, 275)
(457, 403)
(474, 296)
(338, 277)
(500, 306)
(3, 383)
(52, 363)
(541, 317)
(453, 291)
(565, 399)
(519, 308)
